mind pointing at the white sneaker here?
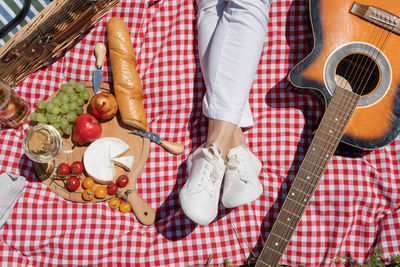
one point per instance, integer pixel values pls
(200, 195)
(241, 185)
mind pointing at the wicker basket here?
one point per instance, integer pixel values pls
(48, 35)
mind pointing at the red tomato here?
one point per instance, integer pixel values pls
(112, 188)
(63, 169)
(77, 167)
(72, 183)
(122, 180)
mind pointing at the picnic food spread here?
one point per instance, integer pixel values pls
(106, 158)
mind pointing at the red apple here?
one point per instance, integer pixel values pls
(103, 105)
(86, 129)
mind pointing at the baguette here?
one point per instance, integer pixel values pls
(126, 80)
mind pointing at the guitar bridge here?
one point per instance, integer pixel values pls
(377, 16)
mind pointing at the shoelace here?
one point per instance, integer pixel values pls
(236, 164)
(211, 175)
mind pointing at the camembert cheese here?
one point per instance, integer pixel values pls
(100, 156)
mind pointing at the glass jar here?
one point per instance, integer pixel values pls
(14, 111)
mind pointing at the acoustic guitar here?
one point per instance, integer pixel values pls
(354, 69)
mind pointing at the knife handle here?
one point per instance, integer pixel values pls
(173, 148)
(100, 52)
(142, 210)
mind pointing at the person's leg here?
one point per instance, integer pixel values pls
(229, 57)
(229, 63)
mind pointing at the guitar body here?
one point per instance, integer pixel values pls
(343, 41)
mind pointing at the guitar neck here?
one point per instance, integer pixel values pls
(323, 145)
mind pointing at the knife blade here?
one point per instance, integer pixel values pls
(171, 147)
(100, 53)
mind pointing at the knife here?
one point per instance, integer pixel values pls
(100, 53)
(171, 147)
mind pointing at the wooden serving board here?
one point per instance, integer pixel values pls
(139, 148)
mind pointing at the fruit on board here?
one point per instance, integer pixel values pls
(100, 192)
(114, 203)
(103, 105)
(62, 109)
(88, 183)
(122, 180)
(88, 195)
(63, 169)
(125, 207)
(77, 167)
(86, 129)
(112, 188)
(72, 183)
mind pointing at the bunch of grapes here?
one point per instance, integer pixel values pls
(63, 109)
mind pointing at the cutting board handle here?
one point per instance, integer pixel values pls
(142, 210)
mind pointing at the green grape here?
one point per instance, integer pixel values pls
(64, 123)
(64, 108)
(79, 110)
(80, 86)
(52, 118)
(49, 107)
(60, 131)
(71, 116)
(56, 101)
(55, 110)
(84, 95)
(56, 125)
(73, 106)
(33, 116)
(80, 102)
(59, 96)
(65, 99)
(72, 83)
(63, 87)
(41, 118)
(41, 104)
(70, 90)
(73, 97)
(68, 131)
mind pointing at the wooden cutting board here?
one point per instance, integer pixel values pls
(139, 148)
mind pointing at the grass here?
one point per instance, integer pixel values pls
(375, 260)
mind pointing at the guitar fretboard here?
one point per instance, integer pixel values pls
(323, 145)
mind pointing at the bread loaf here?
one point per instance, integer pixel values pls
(126, 80)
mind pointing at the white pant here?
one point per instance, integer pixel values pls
(231, 36)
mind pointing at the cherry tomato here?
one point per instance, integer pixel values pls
(100, 192)
(88, 183)
(114, 203)
(122, 180)
(63, 169)
(112, 188)
(88, 195)
(72, 183)
(77, 167)
(125, 207)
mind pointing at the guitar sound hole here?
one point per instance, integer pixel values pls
(358, 72)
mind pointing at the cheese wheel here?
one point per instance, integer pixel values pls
(126, 80)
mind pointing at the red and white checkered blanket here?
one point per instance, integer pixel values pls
(354, 211)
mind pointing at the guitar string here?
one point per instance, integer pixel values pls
(362, 74)
(372, 63)
(360, 64)
(362, 90)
